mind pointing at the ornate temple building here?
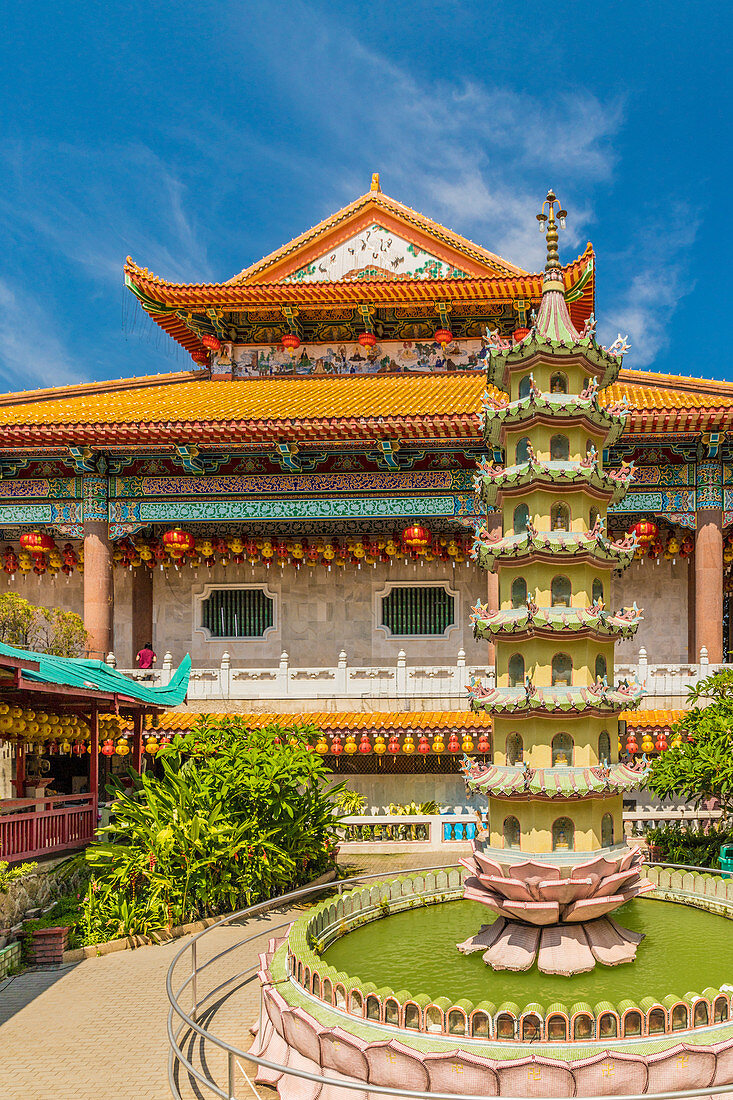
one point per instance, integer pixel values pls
(306, 490)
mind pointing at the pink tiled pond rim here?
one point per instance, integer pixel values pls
(327, 921)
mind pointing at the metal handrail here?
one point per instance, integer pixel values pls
(189, 1022)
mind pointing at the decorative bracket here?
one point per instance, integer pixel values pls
(389, 456)
(87, 461)
(443, 309)
(10, 468)
(287, 455)
(290, 313)
(187, 456)
(713, 441)
(521, 305)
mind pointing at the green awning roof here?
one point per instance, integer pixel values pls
(96, 676)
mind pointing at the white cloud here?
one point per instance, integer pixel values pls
(123, 200)
(644, 308)
(31, 352)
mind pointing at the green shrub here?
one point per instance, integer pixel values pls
(239, 816)
(694, 847)
(9, 875)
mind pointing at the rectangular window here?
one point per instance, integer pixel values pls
(415, 610)
(237, 613)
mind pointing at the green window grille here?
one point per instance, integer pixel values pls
(237, 613)
(414, 610)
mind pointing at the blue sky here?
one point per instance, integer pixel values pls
(198, 137)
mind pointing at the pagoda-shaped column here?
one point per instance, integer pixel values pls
(554, 861)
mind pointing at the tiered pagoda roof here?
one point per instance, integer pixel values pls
(566, 782)
(174, 408)
(533, 621)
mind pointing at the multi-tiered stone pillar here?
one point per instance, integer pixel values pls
(554, 862)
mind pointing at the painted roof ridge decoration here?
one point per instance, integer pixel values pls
(544, 406)
(97, 676)
(493, 481)
(555, 782)
(504, 356)
(594, 698)
(531, 619)
(490, 546)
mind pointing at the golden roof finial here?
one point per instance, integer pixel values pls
(375, 182)
(549, 225)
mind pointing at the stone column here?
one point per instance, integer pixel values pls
(98, 588)
(142, 609)
(709, 584)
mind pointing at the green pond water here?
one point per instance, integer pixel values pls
(685, 951)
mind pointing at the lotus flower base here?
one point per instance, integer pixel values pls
(557, 948)
(554, 915)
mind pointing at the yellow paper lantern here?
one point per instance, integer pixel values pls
(408, 745)
(350, 744)
(380, 746)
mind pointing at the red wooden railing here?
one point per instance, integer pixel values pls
(61, 823)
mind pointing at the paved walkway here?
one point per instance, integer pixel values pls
(97, 1029)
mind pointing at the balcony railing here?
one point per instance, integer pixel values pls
(666, 684)
(57, 824)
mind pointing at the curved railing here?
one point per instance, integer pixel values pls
(182, 1022)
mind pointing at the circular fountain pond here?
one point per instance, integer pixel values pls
(370, 985)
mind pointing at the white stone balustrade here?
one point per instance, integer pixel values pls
(445, 683)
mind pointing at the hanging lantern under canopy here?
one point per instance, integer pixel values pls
(36, 542)
(416, 537)
(443, 336)
(211, 342)
(178, 541)
(291, 342)
(646, 531)
(367, 339)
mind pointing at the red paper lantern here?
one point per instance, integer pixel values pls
(36, 542)
(364, 744)
(211, 343)
(108, 747)
(484, 745)
(201, 358)
(632, 744)
(519, 334)
(443, 336)
(416, 537)
(423, 745)
(646, 531)
(336, 747)
(367, 339)
(661, 743)
(290, 341)
(178, 541)
(454, 745)
(393, 745)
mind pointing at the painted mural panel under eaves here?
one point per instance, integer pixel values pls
(388, 357)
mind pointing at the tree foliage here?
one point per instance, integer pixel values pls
(239, 816)
(701, 768)
(40, 629)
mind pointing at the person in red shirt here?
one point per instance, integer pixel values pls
(146, 658)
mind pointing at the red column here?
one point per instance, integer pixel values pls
(94, 760)
(137, 739)
(98, 588)
(709, 584)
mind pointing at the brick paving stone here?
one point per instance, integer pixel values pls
(97, 1029)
